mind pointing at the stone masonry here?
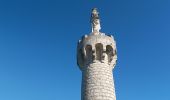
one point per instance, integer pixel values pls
(96, 57)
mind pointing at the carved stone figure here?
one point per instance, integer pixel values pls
(95, 21)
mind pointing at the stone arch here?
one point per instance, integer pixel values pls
(99, 51)
(88, 50)
(109, 52)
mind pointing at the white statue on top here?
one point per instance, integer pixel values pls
(95, 21)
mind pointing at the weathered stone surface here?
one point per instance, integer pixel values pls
(97, 83)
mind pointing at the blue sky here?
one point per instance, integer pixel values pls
(38, 40)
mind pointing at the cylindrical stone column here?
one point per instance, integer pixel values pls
(96, 57)
(97, 82)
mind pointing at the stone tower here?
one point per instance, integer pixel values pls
(96, 58)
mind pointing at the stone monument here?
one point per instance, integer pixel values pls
(96, 58)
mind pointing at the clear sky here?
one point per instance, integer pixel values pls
(38, 40)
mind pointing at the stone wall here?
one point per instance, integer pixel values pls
(97, 82)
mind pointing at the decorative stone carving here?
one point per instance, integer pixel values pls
(95, 21)
(94, 48)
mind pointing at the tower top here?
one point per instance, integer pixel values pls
(95, 22)
(96, 42)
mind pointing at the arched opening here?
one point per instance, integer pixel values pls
(99, 51)
(109, 52)
(88, 49)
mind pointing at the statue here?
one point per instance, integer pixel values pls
(95, 21)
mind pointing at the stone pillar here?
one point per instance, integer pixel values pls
(97, 83)
(96, 58)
